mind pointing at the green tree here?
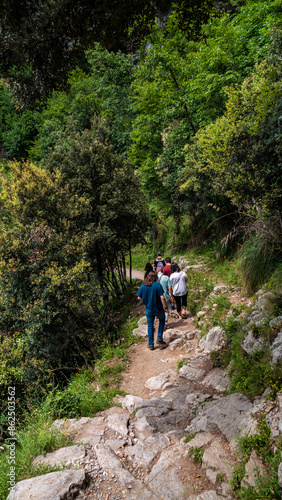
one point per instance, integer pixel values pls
(241, 151)
(237, 159)
(104, 90)
(180, 86)
(65, 232)
(17, 127)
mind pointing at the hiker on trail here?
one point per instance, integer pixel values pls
(167, 267)
(159, 270)
(178, 280)
(167, 272)
(167, 289)
(158, 260)
(151, 293)
(148, 268)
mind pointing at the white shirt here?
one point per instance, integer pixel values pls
(178, 282)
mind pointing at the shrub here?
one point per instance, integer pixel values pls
(197, 453)
(257, 261)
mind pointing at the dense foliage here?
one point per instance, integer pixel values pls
(41, 41)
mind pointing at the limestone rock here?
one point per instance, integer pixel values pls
(201, 313)
(163, 478)
(231, 414)
(132, 403)
(279, 399)
(115, 444)
(142, 321)
(214, 340)
(161, 381)
(141, 454)
(144, 452)
(217, 379)
(140, 331)
(276, 348)
(52, 486)
(201, 439)
(280, 475)
(85, 430)
(191, 373)
(143, 429)
(196, 397)
(154, 410)
(217, 458)
(194, 267)
(65, 456)
(209, 495)
(251, 344)
(277, 354)
(109, 462)
(182, 262)
(278, 341)
(264, 299)
(252, 467)
(175, 344)
(276, 322)
(118, 423)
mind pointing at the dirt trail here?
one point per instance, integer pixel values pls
(145, 363)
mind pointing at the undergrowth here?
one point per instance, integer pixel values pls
(266, 484)
(34, 437)
(197, 454)
(257, 261)
(249, 373)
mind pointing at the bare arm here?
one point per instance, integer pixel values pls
(170, 293)
(163, 301)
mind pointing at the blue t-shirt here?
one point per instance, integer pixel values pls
(151, 296)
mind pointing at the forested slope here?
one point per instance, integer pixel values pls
(161, 128)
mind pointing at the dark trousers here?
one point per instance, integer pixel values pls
(181, 301)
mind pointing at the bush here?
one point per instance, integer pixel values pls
(257, 261)
(266, 487)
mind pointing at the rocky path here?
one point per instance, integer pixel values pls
(172, 437)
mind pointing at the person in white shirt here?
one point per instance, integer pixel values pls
(179, 280)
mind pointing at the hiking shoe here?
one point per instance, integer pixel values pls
(161, 342)
(151, 347)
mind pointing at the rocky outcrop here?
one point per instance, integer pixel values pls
(260, 319)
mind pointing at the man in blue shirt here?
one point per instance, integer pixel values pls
(151, 292)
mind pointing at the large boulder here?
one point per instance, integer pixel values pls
(52, 486)
(217, 379)
(250, 343)
(214, 341)
(162, 381)
(232, 415)
(64, 456)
